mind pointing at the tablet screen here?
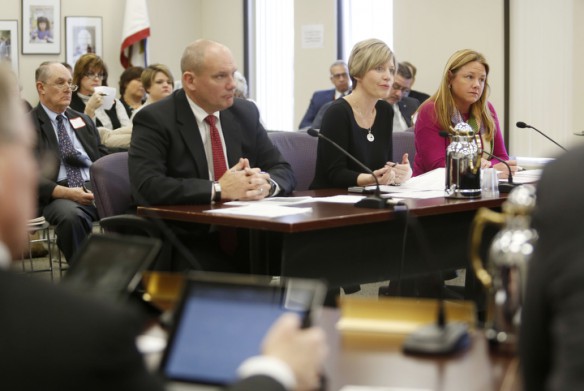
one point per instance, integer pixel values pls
(220, 324)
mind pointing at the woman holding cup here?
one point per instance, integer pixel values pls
(113, 123)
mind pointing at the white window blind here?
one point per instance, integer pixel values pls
(273, 62)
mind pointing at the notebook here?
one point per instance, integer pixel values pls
(222, 319)
(110, 265)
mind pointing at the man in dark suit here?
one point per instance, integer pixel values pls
(342, 82)
(403, 106)
(420, 96)
(183, 145)
(67, 144)
(54, 340)
(551, 339)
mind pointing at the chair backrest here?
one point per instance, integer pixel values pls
(298, 149)
(404, 142)
(111, 184)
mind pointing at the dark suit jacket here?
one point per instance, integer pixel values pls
(420, 96)
(53, 340)
(167, 158)
(47, 149)
(552, 319)
(407, 107)
(318, 99)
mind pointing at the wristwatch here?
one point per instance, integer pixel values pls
(273, 187)
(217, 190)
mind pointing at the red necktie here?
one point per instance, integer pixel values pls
(219, 164)
(227, 235)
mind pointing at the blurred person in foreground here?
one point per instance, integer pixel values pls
(551, 340)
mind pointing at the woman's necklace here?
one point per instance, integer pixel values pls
(370, 136)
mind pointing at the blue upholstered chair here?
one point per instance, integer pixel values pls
(299, 149)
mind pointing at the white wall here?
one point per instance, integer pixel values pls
(546, 56)
(546, 74)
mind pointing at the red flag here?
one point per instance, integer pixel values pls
(135, 32)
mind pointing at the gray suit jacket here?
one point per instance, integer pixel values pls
(47, 148)
(167, 159)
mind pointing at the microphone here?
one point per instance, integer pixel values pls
(504, 187)
(374, 201)
(523, 125)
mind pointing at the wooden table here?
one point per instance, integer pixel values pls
(345, 244)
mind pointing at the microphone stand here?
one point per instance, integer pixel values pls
(440, 337)
(374, 201)
(523, 125)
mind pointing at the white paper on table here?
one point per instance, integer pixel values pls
(420, 195)
(108, 93)
(340, 199)
(273, 201)
(526, 176)
(260, 210)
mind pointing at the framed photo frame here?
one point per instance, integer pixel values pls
(83, 34)
(41, 26)
(9, 43)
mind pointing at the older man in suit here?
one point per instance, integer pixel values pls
(342, 82)
(67, 144)
(183, 145)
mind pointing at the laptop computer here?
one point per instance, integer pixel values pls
(110, 265)
(222, 319)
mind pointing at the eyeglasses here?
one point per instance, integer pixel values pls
(403, 89)
(63, 86)
(338, 76)
(99, 76)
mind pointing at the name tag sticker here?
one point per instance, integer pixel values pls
(77, 123)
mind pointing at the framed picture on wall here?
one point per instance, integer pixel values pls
(41, 26)
(82, 35)
(9, 43)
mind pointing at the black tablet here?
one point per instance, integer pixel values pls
(111, 265)
(222, 319)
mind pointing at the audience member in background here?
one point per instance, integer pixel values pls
(420, 96)
(158, 83)
(67, 143)
(403, 106)
(551, 340)
(95, 341)
(68, 66)
(114, 125)
(132, 94)
(200, 145)
(362, 124)
(461, 97)
(340, 79)
(240, 86)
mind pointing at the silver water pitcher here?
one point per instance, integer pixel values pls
(463, 163)
(505, 274)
